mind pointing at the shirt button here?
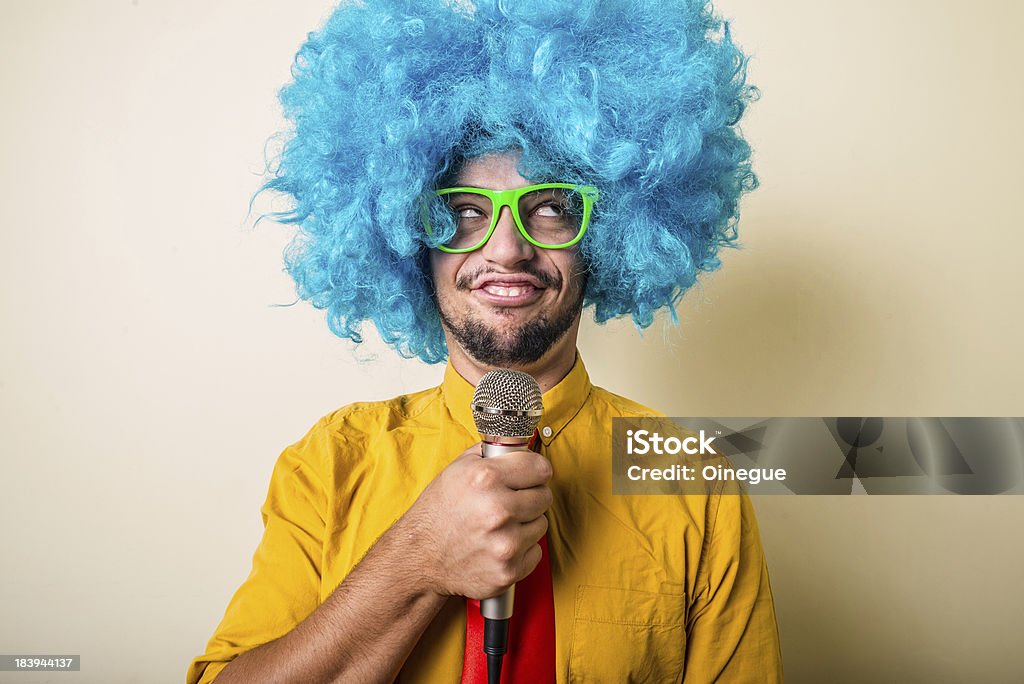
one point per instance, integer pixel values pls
(546, 431)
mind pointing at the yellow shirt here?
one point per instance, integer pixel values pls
(646, 588)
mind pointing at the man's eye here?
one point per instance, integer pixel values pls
(468, 212)
(549, 209)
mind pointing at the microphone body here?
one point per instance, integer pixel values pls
(500, 607)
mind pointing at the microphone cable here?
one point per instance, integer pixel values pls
(495, 646)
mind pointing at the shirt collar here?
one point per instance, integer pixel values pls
(561, 403)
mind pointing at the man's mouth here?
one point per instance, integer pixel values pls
(509, 292)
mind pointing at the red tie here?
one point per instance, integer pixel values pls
(531, 639)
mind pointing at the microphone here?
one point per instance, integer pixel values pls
(507, 408)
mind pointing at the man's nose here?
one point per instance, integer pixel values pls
(507, 246)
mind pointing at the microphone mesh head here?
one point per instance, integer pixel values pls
(507, 403)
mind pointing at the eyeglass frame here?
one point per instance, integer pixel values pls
(510, 199)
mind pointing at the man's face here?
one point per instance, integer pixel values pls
(509, 302)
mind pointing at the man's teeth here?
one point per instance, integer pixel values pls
(501, 291)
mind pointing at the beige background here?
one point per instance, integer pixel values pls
(147, 383)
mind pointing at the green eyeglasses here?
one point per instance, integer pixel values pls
(548, 215)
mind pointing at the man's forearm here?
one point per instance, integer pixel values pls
(363, 632)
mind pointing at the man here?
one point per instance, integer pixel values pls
(449, 192)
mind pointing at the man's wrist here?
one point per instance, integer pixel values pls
(407, 547)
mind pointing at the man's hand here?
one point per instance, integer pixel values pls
(480, 521)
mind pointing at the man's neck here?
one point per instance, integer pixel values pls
(548, 370)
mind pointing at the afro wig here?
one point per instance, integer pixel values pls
(640, 98)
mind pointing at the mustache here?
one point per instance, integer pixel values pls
(548, 280)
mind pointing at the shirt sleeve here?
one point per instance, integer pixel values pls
(283, 587)
(732, 635)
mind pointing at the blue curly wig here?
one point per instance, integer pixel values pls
(640, 98)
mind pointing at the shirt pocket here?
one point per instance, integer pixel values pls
(625, 635)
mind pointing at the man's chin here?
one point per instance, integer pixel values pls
(507, 356)
(506, 322)
(491, 343)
